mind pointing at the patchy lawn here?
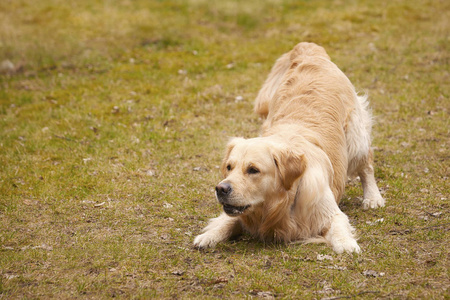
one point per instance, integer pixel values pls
(113, 121)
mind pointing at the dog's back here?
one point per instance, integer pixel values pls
(306, 89)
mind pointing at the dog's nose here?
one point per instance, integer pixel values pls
(223, 189)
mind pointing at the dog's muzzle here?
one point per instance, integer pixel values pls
(223, 192)
(234, 210)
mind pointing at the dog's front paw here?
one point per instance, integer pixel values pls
(348, 245)
(205, 240)
(374, 201)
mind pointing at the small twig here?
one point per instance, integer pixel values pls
(434, 226)
(63, 138)
(394, 231)
(338, 297)
(352, 296)
(432, 214)
(409, 230)
(234, 269)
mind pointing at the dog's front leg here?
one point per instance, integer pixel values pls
(340, 234)
(333, 223)
(218, 230)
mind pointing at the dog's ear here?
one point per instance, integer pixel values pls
(290, 166)
(231, 144)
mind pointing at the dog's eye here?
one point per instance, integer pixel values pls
(252, 170)
(229, 167)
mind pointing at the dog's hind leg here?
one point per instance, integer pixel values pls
(360, 154)
(372, 196)
(218, 230)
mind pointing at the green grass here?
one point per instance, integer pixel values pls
(113, 122)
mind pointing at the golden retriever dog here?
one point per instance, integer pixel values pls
(286, 185)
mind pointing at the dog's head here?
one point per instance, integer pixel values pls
(255, 171)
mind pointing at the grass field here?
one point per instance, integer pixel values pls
(113, 120)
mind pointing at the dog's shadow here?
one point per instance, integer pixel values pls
(350, 204)
(246, 244)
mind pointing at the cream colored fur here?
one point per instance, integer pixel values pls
(287, 183)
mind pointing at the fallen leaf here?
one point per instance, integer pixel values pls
(219, 286)
(326, 290)
(7, 66)
(220, 280)
(262, 294)
(10, 276)
(115, 110)
(336, 268)
(44, 247)
(165, 236)
(29, 202)
(85, 160)
(324, 257)
(405, 144)
(373, 273)
(167, 205)
(376, 221)
(178, 273)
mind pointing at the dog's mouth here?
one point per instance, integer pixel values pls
(232, 210)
